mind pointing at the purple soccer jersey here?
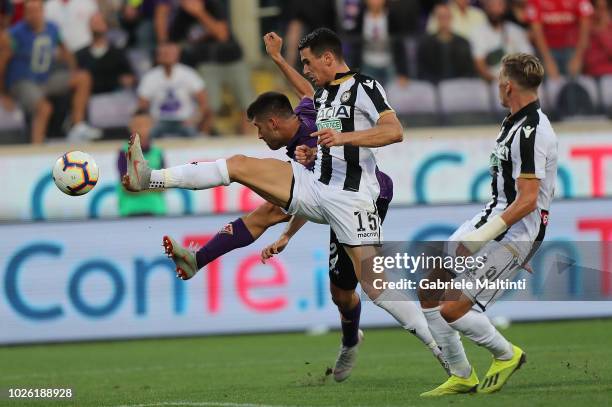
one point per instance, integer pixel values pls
(307, 114)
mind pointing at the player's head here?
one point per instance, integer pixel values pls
(33, 13)
(168, 54)
(271, 113)
(520, 75)
(141, 123)
(321, 53)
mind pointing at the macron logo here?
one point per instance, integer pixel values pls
(527, 130)
(369, 83)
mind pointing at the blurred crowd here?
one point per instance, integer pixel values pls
(80, 67)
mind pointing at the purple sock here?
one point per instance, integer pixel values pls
(350, 325)
(233, 236)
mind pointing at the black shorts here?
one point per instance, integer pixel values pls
(341, 271)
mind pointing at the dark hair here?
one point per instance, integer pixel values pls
(322, 40)
(268, 103)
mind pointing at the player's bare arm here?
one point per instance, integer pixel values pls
(274, 45)
(387, 131)
(294, 225)
(525, 203)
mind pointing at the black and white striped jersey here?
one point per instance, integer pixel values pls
(351, 102)
(526, 148)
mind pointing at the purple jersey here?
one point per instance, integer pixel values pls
(307, 114)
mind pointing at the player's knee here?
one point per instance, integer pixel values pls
(452, 311)
(342, 298)
(236, 166)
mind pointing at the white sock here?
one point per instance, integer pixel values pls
(449, 341)
(409, 316)
(199, 175)
(477, 327)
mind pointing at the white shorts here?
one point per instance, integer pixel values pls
(502, 263)
(352, 215)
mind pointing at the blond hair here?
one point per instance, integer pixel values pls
(524, 69)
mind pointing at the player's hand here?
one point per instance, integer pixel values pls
(305, 155)
(274, 249)
(7, 103)
(274, 44)
(193, 7)
(329, 137)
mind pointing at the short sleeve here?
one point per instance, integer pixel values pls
(478, 41)
(305, 109)
(146, 88)
(373, 101)
(533, 149)
(196, 83)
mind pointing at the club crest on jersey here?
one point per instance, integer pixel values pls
(345, 96)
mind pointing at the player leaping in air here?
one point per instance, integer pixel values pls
(506, 233)
(353, 116)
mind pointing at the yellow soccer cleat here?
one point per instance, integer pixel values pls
(454, 385)
(501, 370)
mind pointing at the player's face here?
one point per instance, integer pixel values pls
(504, 90)
(268, 132)
(316, 69)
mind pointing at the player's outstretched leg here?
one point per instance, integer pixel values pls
(268, 177)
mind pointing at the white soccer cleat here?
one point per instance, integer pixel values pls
(138, 174)
(347, 358)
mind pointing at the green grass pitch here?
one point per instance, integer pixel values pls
(568, 364)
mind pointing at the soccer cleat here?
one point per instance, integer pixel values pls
(185, 260)
(346, 359)
(138, 171)
(501, 370)
(454, 385)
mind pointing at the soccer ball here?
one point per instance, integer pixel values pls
(75, 173)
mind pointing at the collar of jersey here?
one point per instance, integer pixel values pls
(531, 107)
(342, 77)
